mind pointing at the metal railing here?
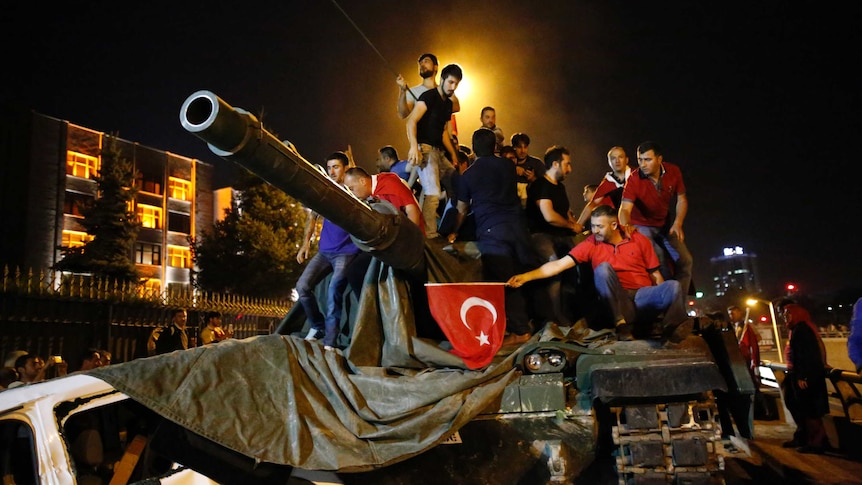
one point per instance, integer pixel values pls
(845, 387)
(52, 313)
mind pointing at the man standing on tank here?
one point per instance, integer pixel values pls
(428, 134)
(335, 253)
(489, 188)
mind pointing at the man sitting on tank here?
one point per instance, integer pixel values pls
(626, 274)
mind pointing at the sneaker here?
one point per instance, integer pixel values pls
(313, 334)
(329, 348)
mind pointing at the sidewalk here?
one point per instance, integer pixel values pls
(767, 462)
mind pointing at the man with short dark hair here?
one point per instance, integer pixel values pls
(646, 205)
(488, 117)
(213, 331)
(384, 186)
(334, 254)
(173, 337)
(626, 275)
(91, 359)
(407, 97)
(551, 221)
(428, 134)
(488, 188)
(387, 161)
(30, 368)
(528, 167)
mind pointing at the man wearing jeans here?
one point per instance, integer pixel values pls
(646, 202)
(335, 253)
(625, 269)
(428, 134)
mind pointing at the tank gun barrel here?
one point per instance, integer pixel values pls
(238, 136)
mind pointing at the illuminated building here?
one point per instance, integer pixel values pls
(735, 271)
(47, 168)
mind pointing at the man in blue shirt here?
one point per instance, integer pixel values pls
(335, 253)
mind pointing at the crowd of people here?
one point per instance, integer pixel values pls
(21, 367)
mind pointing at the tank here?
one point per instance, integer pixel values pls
(582, 408)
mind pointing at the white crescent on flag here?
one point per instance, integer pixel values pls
(476, 301)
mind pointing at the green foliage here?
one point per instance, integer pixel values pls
(252, 252)
(108, 220)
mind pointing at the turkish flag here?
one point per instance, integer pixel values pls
(473, 317)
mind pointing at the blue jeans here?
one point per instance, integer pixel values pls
(667, 245)
(632, 306)
(318, 268)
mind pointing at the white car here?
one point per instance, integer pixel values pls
(79, 429)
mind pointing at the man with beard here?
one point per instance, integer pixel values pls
(488, 117)
(428, 134)
(610, 190)
(551, 221)
(407, 97)
(626, 275)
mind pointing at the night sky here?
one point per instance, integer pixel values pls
(757, 102)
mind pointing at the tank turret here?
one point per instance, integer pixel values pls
(238, 136)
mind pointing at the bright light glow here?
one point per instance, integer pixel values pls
(464, 90)
(791, 287)
(751, 302)
(698, 294)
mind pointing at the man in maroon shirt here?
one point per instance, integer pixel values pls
(646, 204)
(626, 274)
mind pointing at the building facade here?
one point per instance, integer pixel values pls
(47, 171)
(735, 273)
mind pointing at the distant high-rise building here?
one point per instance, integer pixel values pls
(735, 271)
(47, 170)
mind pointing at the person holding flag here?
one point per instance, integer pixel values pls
(626, 273)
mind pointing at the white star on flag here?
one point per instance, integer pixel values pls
(483, 339)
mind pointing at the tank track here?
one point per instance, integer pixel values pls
(677, 442)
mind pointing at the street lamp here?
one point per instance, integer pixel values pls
(755, 301)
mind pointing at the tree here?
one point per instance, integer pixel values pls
(252, 251)
(108, 219)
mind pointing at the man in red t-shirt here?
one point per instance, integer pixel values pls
(646, 206)
(626, 274)
(385, 186)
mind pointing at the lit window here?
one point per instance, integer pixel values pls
(81, 165)
(150, 287)
(179, 256)
(179, 189)
(150, 216)
(148, 254)
(75, 239)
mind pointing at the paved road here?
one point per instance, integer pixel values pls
(768, 463)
